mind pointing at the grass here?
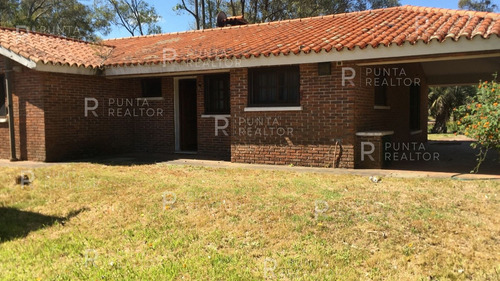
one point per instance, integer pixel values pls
(97, 222)
(436, 137)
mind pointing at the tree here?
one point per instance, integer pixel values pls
(7, 12)
(256, 11)
(480, 119)
(480, 5)
(441, 102)
(136, 16)
(66, 18)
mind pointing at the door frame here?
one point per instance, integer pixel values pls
(177, 125)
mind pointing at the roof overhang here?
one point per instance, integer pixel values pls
(418, 51)
(406, 53)
(66, 69)
(40, 66)
(17, 58)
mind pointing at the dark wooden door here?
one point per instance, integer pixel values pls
(415, 107)
(187, 115)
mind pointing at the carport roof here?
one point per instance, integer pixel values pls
(334, 34)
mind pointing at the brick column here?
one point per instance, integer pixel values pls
(370, 149)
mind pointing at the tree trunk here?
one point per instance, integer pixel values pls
(196, 11)
(210, 14)
(233, 8)
(203, 22)
(440, 125)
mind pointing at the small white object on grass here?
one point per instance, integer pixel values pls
(375, 179)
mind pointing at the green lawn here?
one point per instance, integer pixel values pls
(441, 136)
(160, 222)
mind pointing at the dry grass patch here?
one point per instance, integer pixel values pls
(85, 221)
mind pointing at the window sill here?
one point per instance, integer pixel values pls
(274, 108)
(150, 98)
(215, 115)
(375, 134)
(416, 132)
(386, 107)
(186, 152)
(3, 120)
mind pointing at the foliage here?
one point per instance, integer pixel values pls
(479, 119)
(136, 16)
(480, 5)
(68, 18)
(205, 12)
(441, 102)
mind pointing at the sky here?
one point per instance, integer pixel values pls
(174, 22)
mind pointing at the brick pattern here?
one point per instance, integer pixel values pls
(364, 146)
(326, 115)
(154, 132)
(69, 133)
(51, 123)
(4, 127)
(211, 145)
(28, 116)
(396, 118)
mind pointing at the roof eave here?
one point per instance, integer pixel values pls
(17, 58)
(395, 52)
(57, 68)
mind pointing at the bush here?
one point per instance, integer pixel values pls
(479, 119)
(452, 126)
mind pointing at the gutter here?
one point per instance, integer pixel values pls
(10, 108)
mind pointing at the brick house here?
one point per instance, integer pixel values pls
(310, 92)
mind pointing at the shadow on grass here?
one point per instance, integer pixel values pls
(15, 223)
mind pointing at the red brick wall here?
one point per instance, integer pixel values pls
(327, 114)
(69, 134)
(394, 119)
(28, 116)
(397, 117)
(4, 127)
(330, 111)
(123, 124)
(156, 133)
(211, 145)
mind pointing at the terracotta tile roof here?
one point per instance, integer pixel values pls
(47, 48)
(367, 29)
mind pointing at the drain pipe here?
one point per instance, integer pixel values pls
(10, 108)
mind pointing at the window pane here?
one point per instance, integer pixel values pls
(151, 87)
(217, 94)
(274, 86)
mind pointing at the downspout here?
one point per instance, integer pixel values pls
(10, 108)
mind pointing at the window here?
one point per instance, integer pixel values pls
(415, 107)
(217, 94)
(380, 90)
(276, 86)
(324, 68)
(3, 97)
(151, 87)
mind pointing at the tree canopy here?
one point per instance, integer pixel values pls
(137, 16)
(480, 5)
(67, 18)
(74, 19)
(204, 12)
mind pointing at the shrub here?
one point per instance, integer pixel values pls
(479, 119)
